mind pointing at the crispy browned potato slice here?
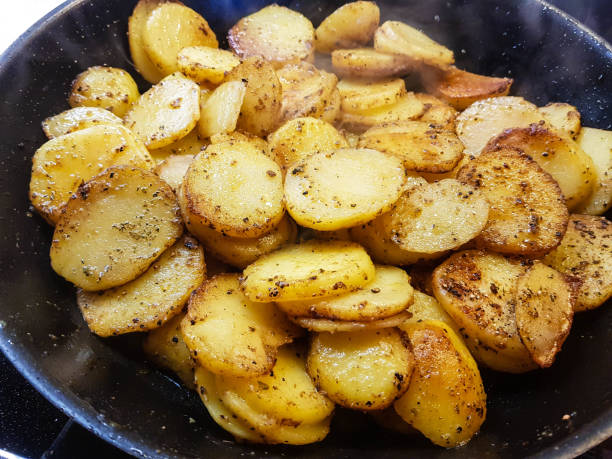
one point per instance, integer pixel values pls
(388, 294)
(460, 88)
(479, 291)
(204, 64)
(584, 253)
(350, 26)
(232, 187)
(308, 270)
(109, 88)
(445, 400)
(228, 334)
(358, 94)
(76, 119)
(339, 189)
(275, 33)
(527, 213)
(62, 164)
(407, 108)
(485, 119)
(343, 366)
(597, 143)
(261, 108)
(340, 326)
(220, 111)
(166, 112)
(151, 299)
(191, 144)
(114, 227)
(399, 38)
(369, 63)
(437, 112)
(563, 117)
(171, 27)
(544, 312)
(421, 146)
(560, 156)
(172, 170)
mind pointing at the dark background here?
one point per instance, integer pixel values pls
(32, 427)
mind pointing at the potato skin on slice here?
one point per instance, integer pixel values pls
(350, 26)
(341, 326)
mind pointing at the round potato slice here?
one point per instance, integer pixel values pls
(352, 25)
(339, 326)
(173, 169)
(597, 143)
(358, 95)
(171, 27)
(166, 112)
(228, 334)
(308, 270)
(232, 187)
(388, 294)
(190, 145)
(220, 111)
(206, 64)
(76, 119)
(275, 33)
(114, 227)
(136, 28)
(364, 370)
(437, 112)
(527, 213)
(339, 189)
(369, 63)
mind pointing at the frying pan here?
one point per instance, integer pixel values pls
(105, 383)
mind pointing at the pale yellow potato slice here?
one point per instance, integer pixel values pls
(341, 326)
(114, 227)
(597, 143)
(76, 119)
(239, 136)
(445, 400)
(166, 112)
(388, 294)
(427, 308)
(584, 254)
(485, 119)
(173, 169)
(151, 299)
(109, 88)
(308, 270)
(171, 27)
(339, 189)
(479, 291)
(300, 137)
(275, 33)
(191, 144)
(364, 370)
(204, 64)
(358, 94)
(232, 187)
(544, 312)
(219, 113)
(563, 117)
(350, 26)
(228, 334)
(437, 112)
(421, 146)
(369, 63)
(397, 37)
(527, 214)
(558, 155)
(407, 108)
(136, 28)
(62, 164)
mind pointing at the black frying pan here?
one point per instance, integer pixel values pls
(106, 385)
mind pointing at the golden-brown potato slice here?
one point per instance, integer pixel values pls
(239, 136)
(300, 137)
(527, 213)
(349, 326)
(445, 400)
(584, 253)
(485, 119)
(388, 294)
(479, 291)
(261, 108)
(399, 38)
(437, 112)
(166, 112)
(62, 164)
(597, 143)
(114, 227)
(151, 299)
(560, 156)
(426, 308)
(191, 144)
(275, 33)
(204, 64)
(544, 312)
(136, 28)
(332, 113)
(407, 108)
(109, 88)
(234, 188)
(308, 270)
(339, 189)
(171, 27)
(164, 346)
(563, 117)
(364, 370)
(76, 119)
(239, 251)
(460, 88)
(358, 94)
(369, 63)
(350, 26)
(228, 334)
(219, 113)
(421, 146)
(173, 169)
